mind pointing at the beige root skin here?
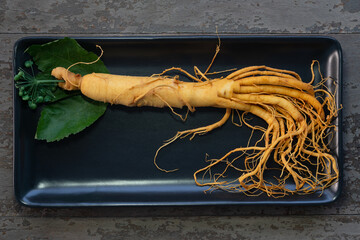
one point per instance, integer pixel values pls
(295, 138)
(157, 91)
(283, 91)
(72, 80)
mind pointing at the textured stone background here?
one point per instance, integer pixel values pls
(337, 18)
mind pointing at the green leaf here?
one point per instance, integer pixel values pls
(59, 94)
(69, 116)
(64, 53)
(70, 112)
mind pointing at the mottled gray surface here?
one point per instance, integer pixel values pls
(340, 19)
(297, 227)
(170, 16)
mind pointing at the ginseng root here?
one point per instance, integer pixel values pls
(296, 138)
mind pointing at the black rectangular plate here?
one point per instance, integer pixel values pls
(111, 162)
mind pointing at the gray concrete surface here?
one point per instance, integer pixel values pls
(337, 18)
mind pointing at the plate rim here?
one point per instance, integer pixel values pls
(143, 37)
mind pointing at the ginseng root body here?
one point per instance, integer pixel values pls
(295, 137)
